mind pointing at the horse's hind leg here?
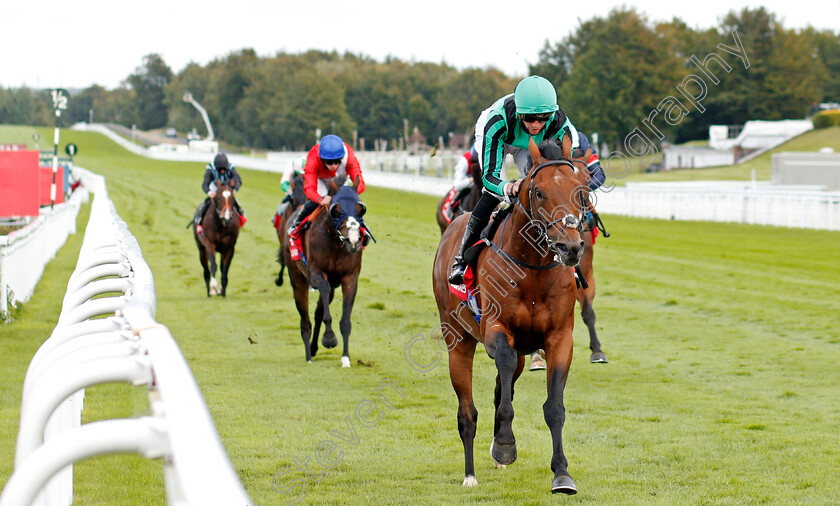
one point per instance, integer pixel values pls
(503, 449)
(587, 313)
(460, 373)
(301, 292)
(348, 291)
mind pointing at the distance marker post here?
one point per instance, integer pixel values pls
(59, 98)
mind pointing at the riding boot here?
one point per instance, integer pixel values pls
(305, 211)
(459, 267)
(199, 213)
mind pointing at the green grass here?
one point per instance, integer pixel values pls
(721, 387)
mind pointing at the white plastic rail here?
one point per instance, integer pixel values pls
(107, 333)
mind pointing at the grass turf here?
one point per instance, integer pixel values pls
(721, 386)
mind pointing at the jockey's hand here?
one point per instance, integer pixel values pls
(325, 201)
(211, 194)
(512, 190)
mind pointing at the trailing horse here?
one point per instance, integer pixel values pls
(448, 209)
(526, 298)
(221, 223)
(331, 256)
(296, 199)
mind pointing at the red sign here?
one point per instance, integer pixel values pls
(19, 188)
(12, 147)
(45, 183)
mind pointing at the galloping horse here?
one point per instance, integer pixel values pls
(466, 204)
(331, 257)
(298, 198)
(586, 292)
(221, 225)
(526, 301)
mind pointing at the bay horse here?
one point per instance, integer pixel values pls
(465, 204)
(586, 292)
(221, 223)
(331, 257)
(527, 300)
(297, 199)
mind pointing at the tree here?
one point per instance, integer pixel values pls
(148, 82)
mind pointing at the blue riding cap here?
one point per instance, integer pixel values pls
(331, 147)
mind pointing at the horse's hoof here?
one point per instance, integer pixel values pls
(502, 455)
(345, 361)
(329, 341)
(598, 357)
(278, 281)
(537, 363)
(563, 484)
(308, 361)
(470, 481)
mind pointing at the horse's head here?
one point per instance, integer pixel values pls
(346, 211)
(553, 195)
(223, 201)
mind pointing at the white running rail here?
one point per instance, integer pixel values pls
(127, 345)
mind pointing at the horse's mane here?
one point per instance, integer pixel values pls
(550, 150)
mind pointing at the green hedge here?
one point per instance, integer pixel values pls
(827, 119)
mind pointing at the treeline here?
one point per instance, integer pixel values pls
(612, 73)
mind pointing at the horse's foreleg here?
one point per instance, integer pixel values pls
(460, 373)
(503, 448)
(497, 398)
(319, 317)
(558, 357)
(202, 257)
(211, 258)
(348, 291)
(320, 282)
(226, 259)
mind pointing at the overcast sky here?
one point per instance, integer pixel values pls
(75, 44)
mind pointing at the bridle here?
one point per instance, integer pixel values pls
(567, 221)
(227, 209)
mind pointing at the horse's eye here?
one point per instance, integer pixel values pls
(538, 193)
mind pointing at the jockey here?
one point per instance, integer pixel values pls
(507, 127)
(329, 158)
(220, 169)
(294, 169)
(589, 154)
(463, 178)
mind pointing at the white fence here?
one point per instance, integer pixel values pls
(24, 253)
(111, 278)
(738, 202)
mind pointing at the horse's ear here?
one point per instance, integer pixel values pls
(333, 186)
(566, 146)
(356, 182)
(361, 208)
(335, 210)
(533, 149)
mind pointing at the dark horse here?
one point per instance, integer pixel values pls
(466, 203)
(221, 224)
(331, 257)
(296, 199)
(527, 301)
